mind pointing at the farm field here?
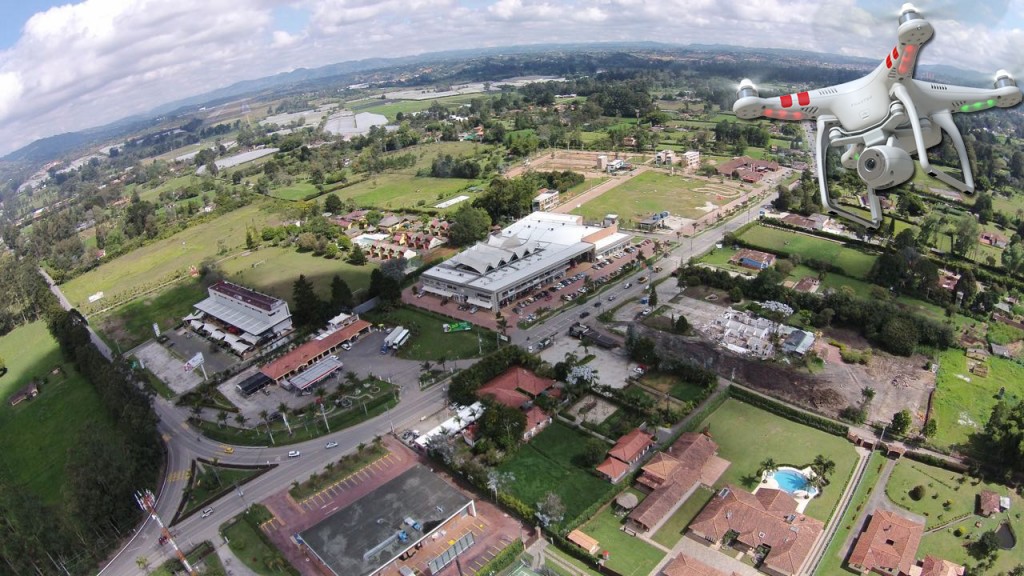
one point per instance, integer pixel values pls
(274, 270)
(963, 406)
(548, 464)
(765, 435)
(652, 192)
(295, 191)
(35, 435)
(429, 341)
(942, 486)
(163, 260)
(855, 263)
(391, 108)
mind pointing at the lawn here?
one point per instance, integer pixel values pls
(962, 407)
(295, 191)
(548, 463)
(35, 436)
(132, 324)
(765, 435)
(672, 530)
(163, 260)
(429, 341)
(855, 263)
(719, 258)
(673, 385)
(941, 486)
(833, 561)
(212, 481)
(251, 546)
(274, 270)
(627, 555)
(651, 192)
(153, 194)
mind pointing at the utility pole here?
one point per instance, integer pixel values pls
(147, 502)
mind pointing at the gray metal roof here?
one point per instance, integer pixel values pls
(237, 316)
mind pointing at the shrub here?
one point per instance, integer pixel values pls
(917, 492)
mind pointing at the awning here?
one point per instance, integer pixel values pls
(216, 335)
(240, 347)
(196, 324)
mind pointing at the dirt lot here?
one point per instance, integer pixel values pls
(898, 382)
(592, 409)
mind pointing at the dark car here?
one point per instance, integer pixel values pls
(584, 314)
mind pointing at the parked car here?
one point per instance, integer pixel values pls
(584, 314)
(294, 454)
(330, 445)
(346, 346)
(206, 513)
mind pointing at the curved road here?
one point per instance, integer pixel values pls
(184, 443)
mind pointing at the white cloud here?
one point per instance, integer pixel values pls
(86, 64)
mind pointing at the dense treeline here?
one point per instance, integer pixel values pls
(446, 166)
(511, 198)
(884, 323)
(25, 293)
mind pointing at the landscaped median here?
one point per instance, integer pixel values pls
(248, 541)
(209, 480)
(336, 472)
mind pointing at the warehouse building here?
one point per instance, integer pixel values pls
(239, 317)
(534, 251)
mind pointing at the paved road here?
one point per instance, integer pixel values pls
(185, 444)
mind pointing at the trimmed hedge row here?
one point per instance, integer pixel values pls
(930, 460)
(698, 417)
(788, 412)
(503, 559)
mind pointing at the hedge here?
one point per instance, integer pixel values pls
(788, 412)
(698, 417)
(503, 559)
(930, 460)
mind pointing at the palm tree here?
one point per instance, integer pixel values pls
(768, 465)
(265, 416)
(222, 418)
(240, 420)
(283, 409)
(426, 366)
(196, 410)
(822, 468)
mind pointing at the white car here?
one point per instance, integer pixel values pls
(638, 370)
(346, 346)
(206, 513)
(294, 454)
(330, 445)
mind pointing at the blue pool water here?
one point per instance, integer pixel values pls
(791, 481)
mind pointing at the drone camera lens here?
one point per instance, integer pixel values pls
(870, 163)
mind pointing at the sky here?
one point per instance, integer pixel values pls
(66, 67)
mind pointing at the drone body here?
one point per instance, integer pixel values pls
(884, 118)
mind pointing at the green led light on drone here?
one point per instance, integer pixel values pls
(965, 108)
(990, 102)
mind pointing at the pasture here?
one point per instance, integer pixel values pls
(159, 262)
(274, 270)
(651, 192)
(765, 435)
(35, 435)
(854, 263)
(963, 401)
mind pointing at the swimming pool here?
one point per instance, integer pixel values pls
(791, 481)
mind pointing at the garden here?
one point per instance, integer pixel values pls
(765, 435)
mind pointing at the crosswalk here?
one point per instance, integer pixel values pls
(179, 475)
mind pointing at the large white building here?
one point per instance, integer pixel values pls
(691, 159)
(545, 200)
(241, 317)
(534, 251)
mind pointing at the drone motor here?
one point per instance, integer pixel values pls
(885, 166)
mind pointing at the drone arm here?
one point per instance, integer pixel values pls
(822, 144)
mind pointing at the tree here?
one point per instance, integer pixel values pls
(682, 326)
(965, 235)
(900, 422)
(931, 427)
(341, 295)
(333, 204)
(385, 287)
(309, 310)
(900, 336)
(394, 268)
(968, 286)
(503, 425)
(550, 510)
(822, 467)
(468, 225)
(498, 480)
(768, 465)
(593, 452)
(985, 547)
(1013, 257)
(652, 300)
(735, 294)
(356, 257)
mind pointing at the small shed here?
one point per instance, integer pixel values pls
(588, 543)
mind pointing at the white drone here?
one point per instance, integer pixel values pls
(885, 117)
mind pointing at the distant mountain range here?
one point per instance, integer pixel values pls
(61, 145)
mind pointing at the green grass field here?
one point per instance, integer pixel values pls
(152, 194)
(961, 407)
(765, 435)
(294, 191)
(652, 192)
(833, 561)
(252, 547)
(548, 464)
(211, 481)
(391, 108)
(719, 258)
(35, 436)
(672, 530)
(162, 260)
(941, 486)
(673, 385)
(429, 341)
(132, 324)
(628, 555)
(855, 263)
(274, 270)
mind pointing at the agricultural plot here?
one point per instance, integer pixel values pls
(855, 263)
(652, 192)
(35, 435)
(963, 400)
(391, 108)
(159, 262)
(549, 463)
(765, 435)
(295, 191)
(274, 270)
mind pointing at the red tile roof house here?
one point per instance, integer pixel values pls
(673, 475)
(933, 566)
(684, 565)
(626, 452)
(766, 524)
(888, 545)
(753, 259)
(988, 503)
(516, 388)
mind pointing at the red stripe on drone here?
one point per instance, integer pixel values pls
(786, 100)
(895, 53)
(803, 98)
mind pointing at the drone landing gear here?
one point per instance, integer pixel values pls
(825, 139)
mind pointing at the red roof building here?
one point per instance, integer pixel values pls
(313, 351)
(518, 380)
(632, 446)
(613, 469)
(988, 503)
(684, 565)
(536, 420)
(932, 566)
(888, 545)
